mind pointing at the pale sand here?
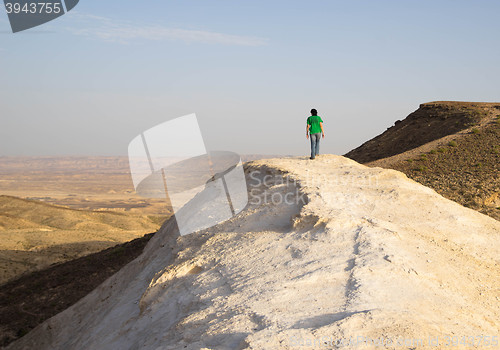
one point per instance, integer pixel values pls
(372, 254)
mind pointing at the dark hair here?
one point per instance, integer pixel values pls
(314, 112)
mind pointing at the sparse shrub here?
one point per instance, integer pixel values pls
(477, 113)
(433, 151)
(409, 160)
(423, 157)
(118, 251)
(421, 168)
(441, 150)
(157, 219)
(22, 332)
(452, 144)
(478, 165)
(475, 131)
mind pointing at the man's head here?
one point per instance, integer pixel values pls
(314, 112)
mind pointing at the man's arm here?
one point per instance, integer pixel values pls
(322, 131)
(307, 131)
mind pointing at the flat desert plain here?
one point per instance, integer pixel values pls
(54, 209)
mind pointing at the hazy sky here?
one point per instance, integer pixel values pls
(89, 82)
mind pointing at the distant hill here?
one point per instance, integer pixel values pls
(18, 213)
(35, 235)
(430, 122)
(452, 147)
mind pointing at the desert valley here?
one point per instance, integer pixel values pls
(396, 240)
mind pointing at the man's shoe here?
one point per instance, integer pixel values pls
(312, 157)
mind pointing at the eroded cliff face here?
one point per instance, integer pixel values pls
(430, 122)
(326, 251)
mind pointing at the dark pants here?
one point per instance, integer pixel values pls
(315, 144)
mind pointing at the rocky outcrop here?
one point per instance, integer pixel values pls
(430, 122)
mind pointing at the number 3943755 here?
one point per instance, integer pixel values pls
(34, 7)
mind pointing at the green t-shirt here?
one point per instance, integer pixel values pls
(314, 121)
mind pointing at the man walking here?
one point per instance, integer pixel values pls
(314, 128)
